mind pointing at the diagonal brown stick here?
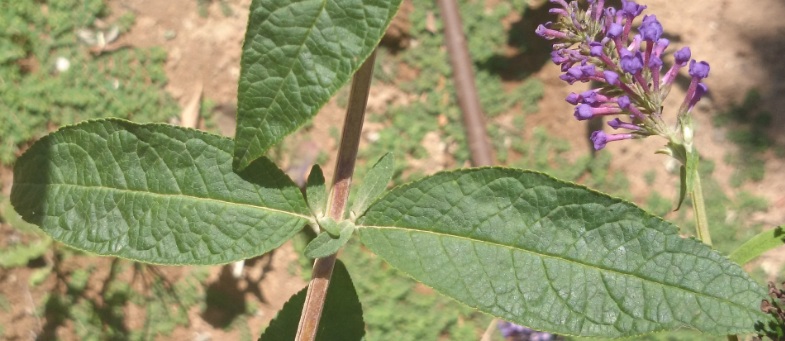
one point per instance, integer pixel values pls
(342, 179)
(463, 74)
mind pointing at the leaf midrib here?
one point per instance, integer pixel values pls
(163, 195)
(544, 255)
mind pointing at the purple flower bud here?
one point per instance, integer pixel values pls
(573, 98)
(568, 78)
(558, 11)
(614, 31)
(623, 102)
(596, 49)
(655, 63)
(700, 90)
(561, 3)
(585, 111)
(610, 14)
(632, 64)
(558, 58)
(588, 71)
(589, 97)
(682, 56)
(611, 77)
(575, 72)
(617, 123)
(699, 69)
(650, 28)
(600, 138)
(660, 46)
(631, 9)
(547, 33)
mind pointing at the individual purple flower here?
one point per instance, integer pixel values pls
(631, 9)
(650, 29)
(632, 63)
(699, 69)
(682, 56)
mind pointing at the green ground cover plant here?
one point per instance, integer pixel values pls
(49, 77)
(516, 244)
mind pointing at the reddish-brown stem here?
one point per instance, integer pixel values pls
(339, 194)
(473, 121)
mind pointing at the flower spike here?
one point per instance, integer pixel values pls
(595, 44)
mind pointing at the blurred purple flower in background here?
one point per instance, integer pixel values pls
(514, 332)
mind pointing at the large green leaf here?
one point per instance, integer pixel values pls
(556, 256)
(342, 317)
(296, 55)
(154, 193)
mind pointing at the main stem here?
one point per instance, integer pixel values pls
(339, 195)
(699, 205)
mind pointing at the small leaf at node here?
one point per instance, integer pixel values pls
(374, 184)
(326, 244)
(316, 191)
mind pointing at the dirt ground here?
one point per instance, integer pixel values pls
(741, 41)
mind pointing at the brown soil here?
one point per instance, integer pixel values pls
(741, 40)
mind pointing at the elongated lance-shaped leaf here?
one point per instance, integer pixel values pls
(154, 193)
(342, 317)
(296, 55)
(557, 257)
(756, 246)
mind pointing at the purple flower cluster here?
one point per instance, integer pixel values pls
(596, 44)
(514, 332)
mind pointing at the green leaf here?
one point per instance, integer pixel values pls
(316, 192)
(328, 243)
(556, 256)
(374, 184)
(342, 318)
(154, 193)
(296, 55)
(759, 244)
(682, 186)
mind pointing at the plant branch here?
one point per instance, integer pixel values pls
(339, 195)
(466, 91)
